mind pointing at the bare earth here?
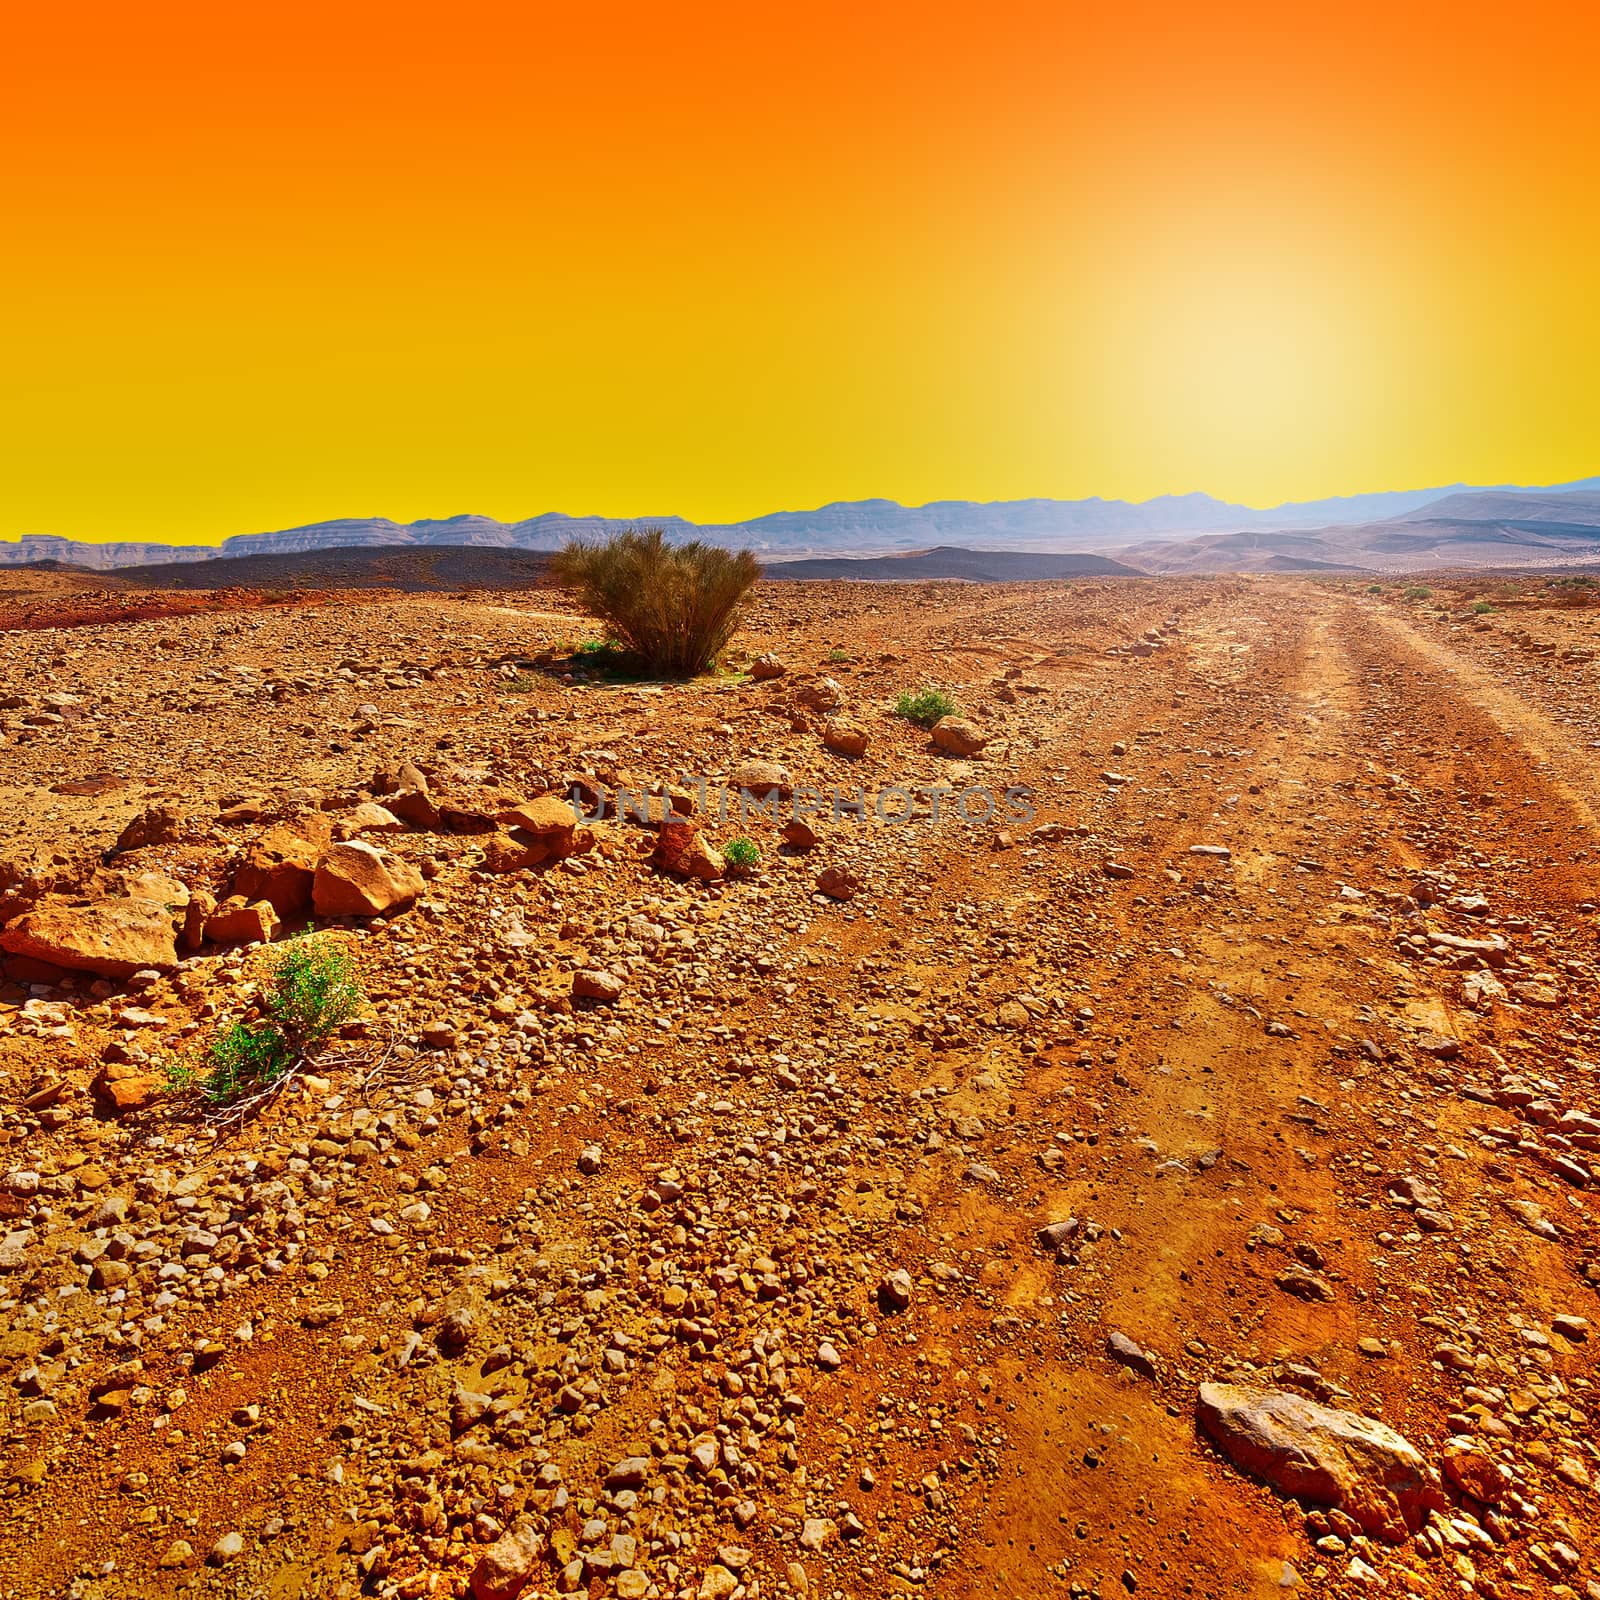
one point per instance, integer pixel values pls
(614, 1288)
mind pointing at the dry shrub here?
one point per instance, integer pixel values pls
(672, 606)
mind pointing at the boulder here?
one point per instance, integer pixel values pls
(845, 738)
(595, 985)
(368, 817)
(958, 737)
(157, 825)
(822, 695)
(838, 883)
(507, 1567)
(541, 830)
(766, 667)
(682, 848)
(234, 922)
(279, 866)
(1475, 1473)
(357, 879)
(762, 778)
(110, 938)
(1317, 1453)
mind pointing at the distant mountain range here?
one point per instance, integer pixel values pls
(1170, 533)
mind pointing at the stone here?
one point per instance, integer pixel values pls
(357, 879)
(838, 882)
(762, 778)
(280, 866)
(234, 922)
(1127, 1354)
(594, 985)
(683, 849)
(845, 738)
(1326, 1456)
(1473, 1472)
(766, 667)
(958, 737)
(505, 1569)
(895, 1289)
(228, 1548)
(110, 938)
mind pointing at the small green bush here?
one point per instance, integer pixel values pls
(925, 707)
(674, 607)
(1483, 608)
(741, 854)
(1419, 591)
(523, 683)
(1374, 588)
(837, 655)
(312, 993)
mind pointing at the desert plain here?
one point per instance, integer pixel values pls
(1182, 1182)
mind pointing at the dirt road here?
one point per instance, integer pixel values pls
(1286, 995)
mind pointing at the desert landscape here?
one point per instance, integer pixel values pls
(1178, 1179)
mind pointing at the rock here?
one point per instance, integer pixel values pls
(505, 1569)
(228, 1548)
(816, 1532)
(1329, 1457)
(1126, 1353)
(1473, 1472)
(123, 1088)
(845, 738)
(234, 922)
(158, 825)
(838, 883)
(895, 1289)
(357, 879)
(280, 866)
(766, 667)
(823, 694)
(590, 1159)
(542, 830)
(1303, 1285)
(718, 1583)
(1058, 1236)
(761, 779)
(801, 834)
(1532, 1218)
(682, 848)
(110, 938)
(629, 1473)
(593, 985)
(1570, 1327)
(179, 1552)
(958, 737)
(1480, 990)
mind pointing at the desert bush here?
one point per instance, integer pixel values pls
(925, 707)
(312, 993)
(674, 607)
(741, 854)
(1419, 591)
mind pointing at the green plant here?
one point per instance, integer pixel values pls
(1374, 588)
(674, 607)
(1419, 591)
(311, 993)
(925, 707)
(836, 654)
(523, 683)
(1483, 608)
(741, 854)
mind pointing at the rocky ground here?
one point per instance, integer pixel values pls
(1186, 1189)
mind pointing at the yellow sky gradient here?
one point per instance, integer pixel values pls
(390, 261)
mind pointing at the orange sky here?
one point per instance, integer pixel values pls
(351, 259)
